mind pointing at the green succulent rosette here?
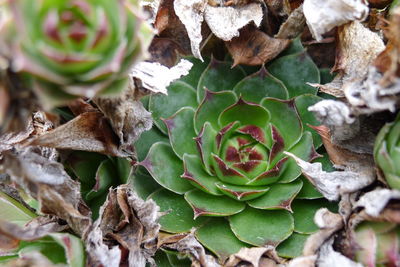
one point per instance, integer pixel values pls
(377, 243)
(73, 48)
(387, 152)
(217, 150)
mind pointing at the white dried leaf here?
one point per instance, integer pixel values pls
(332, 184)
(322, 16)
(152, 7)
(328, 257)
(156, 77)
(306, 261)
(190, 12)
(332, 112)
(370, 203)
(225, 22)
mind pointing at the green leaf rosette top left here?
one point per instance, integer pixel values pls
(220, 156)
(72, 48)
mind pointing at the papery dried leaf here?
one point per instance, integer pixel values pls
(89, 131)
(253, 47)
(328, 257)
(371, 205)
(255, 257)
(322, 16)
(357, 49)
(46, 181)
(127, 116)
(190, 12)
(192, 248)
(333, 184)
(155, 78)
(306, 261)
(293, 26)
(225, 22)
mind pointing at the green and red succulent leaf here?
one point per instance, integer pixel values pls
(226, 155)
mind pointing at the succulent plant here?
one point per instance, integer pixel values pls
(220, 156)
(73, 48)
(387, 152)
(377, 243)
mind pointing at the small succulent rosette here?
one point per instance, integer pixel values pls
(72, 48)
(387, 152)
(220, 159)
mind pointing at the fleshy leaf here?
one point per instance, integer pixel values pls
(74, 249)
(206, 145)
(206, 204)
(147, 138)
(215, 78)
(279, 196)
(307, 117)
(181, 132)
(225, 133)
(197, 176)
(211, 106)
(295, 71)
(247, 114)
(195, 72)
(217, 236)
(143, 184)
(179, 95)
(261, 84)
(305, 150)
(262, 227)
(226, 173)
(272, 175)
(285, 118)
(179, 218)
(308, 191)
(105, 177)
(304, 211)
(293, 246)
(166, 168)
(242, 193)
(14, 211)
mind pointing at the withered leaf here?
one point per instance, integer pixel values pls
(254, 257)
(89, 131)
(253, 47)
(165, 51)
(293, 26)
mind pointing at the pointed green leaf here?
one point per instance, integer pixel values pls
(226, 173)
(246, 113)
(217, 236)
(179, 95)
(326, 75)
(304, 149)
(295, 47)
(261, 84)
(13, 211)
(196, 175)
(271, 175)
(290, 128)
(211, 106)
(143, 184)
(179, 218)
(225, 133)
(308, 190)
(209, 205)
(206, 145)
(262, 227)
(74, 249)
(304, 211)
(307, 117)
(181, 132)
(293, 246)
(146, 140)
(177, 259)
(242, 193)
(124, 168)
(166, 168)
(195, 72)
(279, 196)
(105, 177)
(161, 259)
(295, 71)
(215, 78)
(45, 246)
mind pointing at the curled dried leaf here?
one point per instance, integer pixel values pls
(254, 257)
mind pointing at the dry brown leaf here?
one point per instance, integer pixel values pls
(253, 47)
(225, 22)
(322, 16)
(46, 181)
(293, 26)
(328, 257)
(165, 51)
(89, 131)
(255, 257)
